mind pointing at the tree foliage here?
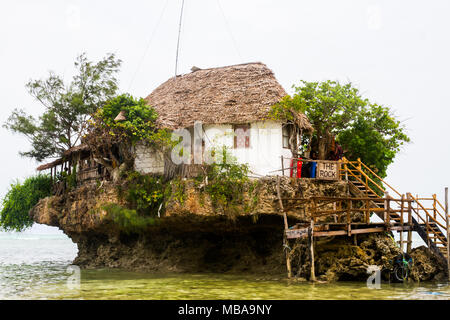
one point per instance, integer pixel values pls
(20, 199)
(67, 107)
(226, 181)
(111, 141)
(375, 136)
(364, 129)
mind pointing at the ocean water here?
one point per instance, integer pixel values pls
(38, 266)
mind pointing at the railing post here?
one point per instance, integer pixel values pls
(386, 204)
(349, 220)
(388, 212)
(434, 215)
(448, 231)
(434, 206)
(409, 243)
(401, 221)
(367, 212)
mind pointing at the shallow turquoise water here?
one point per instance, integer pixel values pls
(35, 267)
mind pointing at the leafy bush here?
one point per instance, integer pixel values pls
(20, 199)
(143, 193)
(139, 123)
(128, 219)
(226, 181)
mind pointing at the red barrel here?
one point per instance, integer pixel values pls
(299, 168)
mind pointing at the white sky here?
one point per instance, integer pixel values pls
(396, 52)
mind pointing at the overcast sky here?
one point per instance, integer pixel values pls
(396, 52)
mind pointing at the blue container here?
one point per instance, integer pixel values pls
(313, 169)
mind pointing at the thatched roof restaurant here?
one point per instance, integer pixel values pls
(234, 94)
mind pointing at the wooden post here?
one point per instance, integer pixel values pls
(448, 231)
(282, 165)
(349, 219)
(334, 215)
(401, 221)
(367, 212)
(311, 251)
(387, 212)
(286, 227)
(434, 214)
(409, 243)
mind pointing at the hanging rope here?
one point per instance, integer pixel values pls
(148, 43)
(178, 42)
(229, 30)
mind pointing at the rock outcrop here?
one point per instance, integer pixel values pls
(193, 235)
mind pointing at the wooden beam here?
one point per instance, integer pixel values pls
(330, 233)
(368, 230)
(448, 231)
(296, 233)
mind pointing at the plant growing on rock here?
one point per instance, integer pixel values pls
(128, 220)
(19, 200)
(226, 181)
(112, 140)
(143, 193)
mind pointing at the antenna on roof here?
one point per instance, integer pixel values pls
(178, 42)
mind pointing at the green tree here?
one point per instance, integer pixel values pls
(329, 106)
(112, 141)
(67, 107)
(365, 130)
(375, 136)
(20, 199)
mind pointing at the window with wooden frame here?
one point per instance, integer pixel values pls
(241, 136)
(287, 130)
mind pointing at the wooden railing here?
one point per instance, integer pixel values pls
(433, 218)
(347, 206)
(362, 173)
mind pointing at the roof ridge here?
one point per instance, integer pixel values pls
(223, 67)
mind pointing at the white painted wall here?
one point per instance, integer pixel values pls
(266, 148)
(148, 160)
(263, 156)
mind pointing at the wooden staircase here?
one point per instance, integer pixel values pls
(430, 221)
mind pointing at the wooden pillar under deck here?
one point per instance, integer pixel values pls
(286, 227)
(311, 251)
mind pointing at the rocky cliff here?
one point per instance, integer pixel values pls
(192, 234)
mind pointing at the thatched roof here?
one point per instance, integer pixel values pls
(50, 165)
(234, 94)
(67, 154)
(76, 149)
